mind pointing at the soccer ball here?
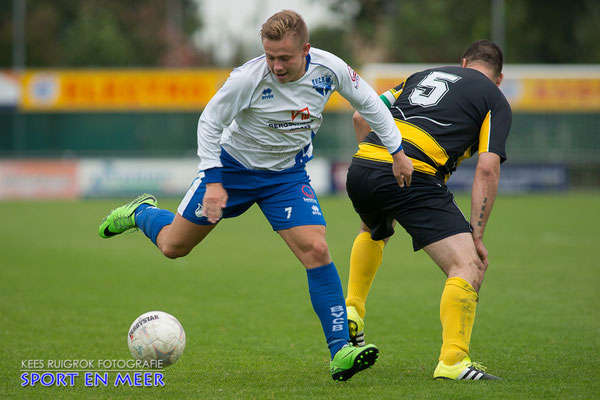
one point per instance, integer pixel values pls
(156, 335)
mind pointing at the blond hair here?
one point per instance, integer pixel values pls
(283, 22)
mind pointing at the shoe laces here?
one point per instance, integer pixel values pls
(122, 222)
(477, 366)
(119, 222)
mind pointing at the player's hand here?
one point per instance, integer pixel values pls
(215, 200)
(403, 168)
(482, 252)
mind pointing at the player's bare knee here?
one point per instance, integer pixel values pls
(173, 251)
(472, 270)
(318, 250)
(481, 266)
(476, 273)
(478, 266)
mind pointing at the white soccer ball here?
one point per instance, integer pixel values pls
(156, 335)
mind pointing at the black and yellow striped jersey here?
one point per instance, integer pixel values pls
(445, 115)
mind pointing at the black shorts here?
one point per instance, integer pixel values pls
(426, 209)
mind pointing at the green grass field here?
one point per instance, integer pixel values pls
(242, 297)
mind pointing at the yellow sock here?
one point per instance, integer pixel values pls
(457, 313)
(365, 259)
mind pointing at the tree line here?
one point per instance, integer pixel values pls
(159, 33)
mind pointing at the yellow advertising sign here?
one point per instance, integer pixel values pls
(533, 94)
(169, 90)
(553, 94)
(78, 90)
(126, 90)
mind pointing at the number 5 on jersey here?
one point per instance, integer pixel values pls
(430, 90)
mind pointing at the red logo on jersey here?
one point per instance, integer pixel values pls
(354, 76)
(308, 191)
(304, 114)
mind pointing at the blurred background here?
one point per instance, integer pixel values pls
(102, 97)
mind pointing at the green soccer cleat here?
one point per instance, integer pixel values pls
(122, 218)
(350, 360)
(464, 370)
(356, 327)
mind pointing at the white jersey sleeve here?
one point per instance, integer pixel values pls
(219, 113)
(366, 101)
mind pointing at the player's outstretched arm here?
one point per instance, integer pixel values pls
(483, 194)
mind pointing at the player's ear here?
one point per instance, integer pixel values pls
(499, 79)
(463, 63)
(305, 49)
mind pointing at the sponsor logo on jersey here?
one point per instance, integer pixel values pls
(323, 84)
(315, 210)
(291, 126)
(308, 191)
(354, 77)
(304, 114)
(267, 94)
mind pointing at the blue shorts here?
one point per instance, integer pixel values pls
(286, 198)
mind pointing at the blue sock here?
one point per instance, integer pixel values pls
(151, 220)
(327, 298)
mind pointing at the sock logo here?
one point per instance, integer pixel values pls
(337, 312)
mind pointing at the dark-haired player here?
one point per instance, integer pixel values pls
(445, 115)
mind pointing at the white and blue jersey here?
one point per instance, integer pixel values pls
(256, 135)
(268, 125)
